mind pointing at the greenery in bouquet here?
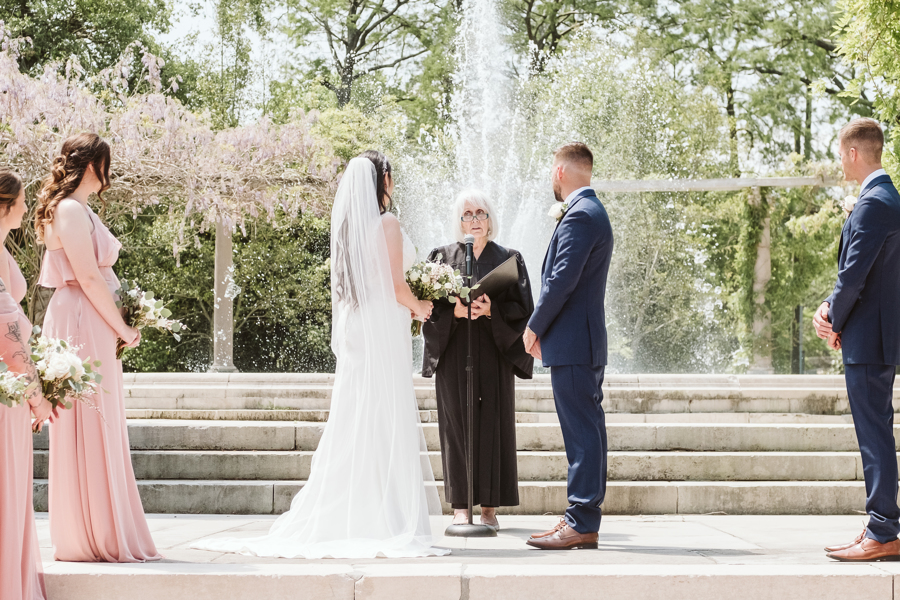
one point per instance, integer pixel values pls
(64, 375)
(140, 309)
(13, 387)
(435, 281)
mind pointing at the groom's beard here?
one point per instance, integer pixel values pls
(557, 192)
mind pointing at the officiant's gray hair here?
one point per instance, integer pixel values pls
(479, 200)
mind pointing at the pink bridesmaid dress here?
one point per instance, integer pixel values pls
(21, 576)
(95, 509)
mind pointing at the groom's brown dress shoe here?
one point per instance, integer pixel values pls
(859, 538)
(564, 538)
(562, 523)
(868, 550)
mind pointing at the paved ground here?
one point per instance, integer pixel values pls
(659, 540)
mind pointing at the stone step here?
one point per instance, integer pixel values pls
(161, 434)
(536, 497)
(639, 394)
(446, 579)
(678, 402)
(430, 416)
(532, 466)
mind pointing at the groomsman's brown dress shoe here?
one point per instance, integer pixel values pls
(564, 538)
(868, 550)
(859, 538)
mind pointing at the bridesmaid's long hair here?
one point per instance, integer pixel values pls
(66, 173)
(382, 169)
(10, 188)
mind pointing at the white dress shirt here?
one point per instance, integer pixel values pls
(574, 194)
(871, 176)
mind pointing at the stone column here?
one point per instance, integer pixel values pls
(762, 273)
(223, 308)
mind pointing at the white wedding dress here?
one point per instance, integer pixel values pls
(371, 489)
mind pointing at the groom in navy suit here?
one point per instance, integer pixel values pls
(861, 319)
(567, 331)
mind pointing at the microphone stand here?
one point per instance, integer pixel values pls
(470, 529)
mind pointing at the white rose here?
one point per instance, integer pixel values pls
(57, 366)
(557, 210)
(448, 286)
(849, 203)
(437, 286)
(76, 362)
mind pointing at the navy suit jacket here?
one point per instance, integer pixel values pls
(570, 318)
(866, 297)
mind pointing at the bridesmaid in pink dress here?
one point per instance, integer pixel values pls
(21, 576)
(95, 510)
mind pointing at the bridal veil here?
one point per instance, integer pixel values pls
(371, 487)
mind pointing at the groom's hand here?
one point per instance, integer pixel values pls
(834, 341)
(821, 323)
(532, 343)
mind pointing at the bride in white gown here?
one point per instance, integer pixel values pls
(371, 488)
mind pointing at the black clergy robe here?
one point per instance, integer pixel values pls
(498, 357)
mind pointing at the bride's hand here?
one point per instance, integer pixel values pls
(423, 310)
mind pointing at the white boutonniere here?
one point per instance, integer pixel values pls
(558, 210)
(848, 204)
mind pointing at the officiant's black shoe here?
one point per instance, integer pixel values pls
(850, 545)
(565, 538)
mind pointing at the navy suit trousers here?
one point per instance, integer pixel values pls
(870, 388)
(577, 393)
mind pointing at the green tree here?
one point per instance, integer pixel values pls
(869, 33)
(225, 70)
(427, 95)
(540, 27)
(361, 37)
(94, 31)
(763, 61)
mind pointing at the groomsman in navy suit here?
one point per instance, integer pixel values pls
(567, 331)
(861, 319)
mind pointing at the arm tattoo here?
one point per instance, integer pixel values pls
(14, 334)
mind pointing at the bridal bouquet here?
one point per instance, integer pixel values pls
(12, 387)
(141, 309)
(433, 281)
(64, 376)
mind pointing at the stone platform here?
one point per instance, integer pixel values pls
(652, 557)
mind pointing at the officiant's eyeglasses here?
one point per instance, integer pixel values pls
(479, 216)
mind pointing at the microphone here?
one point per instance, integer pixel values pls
(469, 240)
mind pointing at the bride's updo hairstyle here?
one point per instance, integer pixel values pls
(10, 188)
(382, 169)
(66, 174)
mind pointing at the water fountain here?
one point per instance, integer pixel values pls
(500, 139)
(487, 151)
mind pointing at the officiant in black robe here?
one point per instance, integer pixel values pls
(498, 357)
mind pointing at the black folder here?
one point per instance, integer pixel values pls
(497, 281)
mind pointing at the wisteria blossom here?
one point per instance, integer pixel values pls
(162, 153)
